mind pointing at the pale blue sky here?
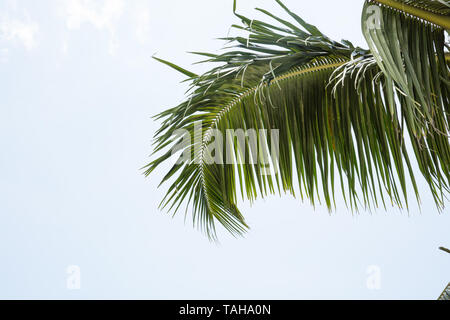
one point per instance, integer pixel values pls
(78, 87)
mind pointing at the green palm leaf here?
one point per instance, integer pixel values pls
(337, 109)
(410, 52)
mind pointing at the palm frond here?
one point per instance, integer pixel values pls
(269, 53)
(411, 53)
(337, 110)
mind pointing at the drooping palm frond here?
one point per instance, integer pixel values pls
(255, 62)
(410, 52)
(335, 111)
(431, 151)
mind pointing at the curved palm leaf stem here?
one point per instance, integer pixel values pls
(246, 94)
(435, 18)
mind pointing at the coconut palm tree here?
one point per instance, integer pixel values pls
(344, 116)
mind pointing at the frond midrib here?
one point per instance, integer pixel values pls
(430, 16)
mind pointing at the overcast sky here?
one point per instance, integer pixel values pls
(78, 88)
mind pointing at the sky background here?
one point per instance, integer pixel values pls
(77, 90)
